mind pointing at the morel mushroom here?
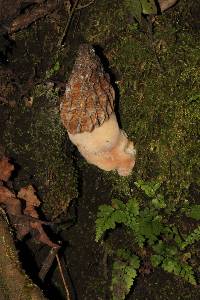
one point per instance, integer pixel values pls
(87, 112)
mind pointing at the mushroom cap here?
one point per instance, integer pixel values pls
(89, 97)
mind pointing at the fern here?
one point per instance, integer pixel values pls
(193, 212)
(104, 220)
(149, 188)
(123, 273)
(159, 202)
(148, 229)
(191, 238)
(171, 233)
(165, 250)
(167, 258)
(183, 270)
(108, 216)
(146, 224)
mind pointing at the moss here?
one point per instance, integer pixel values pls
(14, 283)
(158, 105)
(34, 45)
(104, 22)
(34, 136)
(36, 139)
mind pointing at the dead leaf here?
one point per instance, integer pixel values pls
(13, 205)
(24, 220)
(28, 194)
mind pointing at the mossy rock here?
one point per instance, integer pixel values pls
(36, 140)
(157, 79)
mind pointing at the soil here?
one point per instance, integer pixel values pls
(31, 134)
(89, 281)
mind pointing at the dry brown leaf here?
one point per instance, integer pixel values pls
(26, 221)
(28, 194)
(13, 208)
(5, 193)
(6, 169)
(13, 205)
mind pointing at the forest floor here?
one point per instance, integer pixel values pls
(156, 74)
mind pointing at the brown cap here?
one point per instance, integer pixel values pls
(89, 98)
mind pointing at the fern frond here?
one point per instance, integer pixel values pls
(180, 269)
(149, 227)
(109, 215)
(149, 188)
(104, 220)
(191, 238)
(193, 212)
(132, 207)
(123, 273)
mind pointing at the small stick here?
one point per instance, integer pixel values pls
(63, 278)
(48, 263)
(151, 41)
(74, 8)
(61, 40)
(86, 5)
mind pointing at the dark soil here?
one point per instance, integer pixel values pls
(89, 280)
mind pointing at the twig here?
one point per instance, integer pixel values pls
(48, 263)
(151, 41)
(86, 5)
(74, 8)
(61, 40)
(63, 278)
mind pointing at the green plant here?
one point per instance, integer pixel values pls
(151, 230)
(53, 70)
(145, 224)
(191, 238)
(168, 257)
(139, 7)
(193, 211)
(124, 271)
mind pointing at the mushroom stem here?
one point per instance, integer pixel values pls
(107, 147)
